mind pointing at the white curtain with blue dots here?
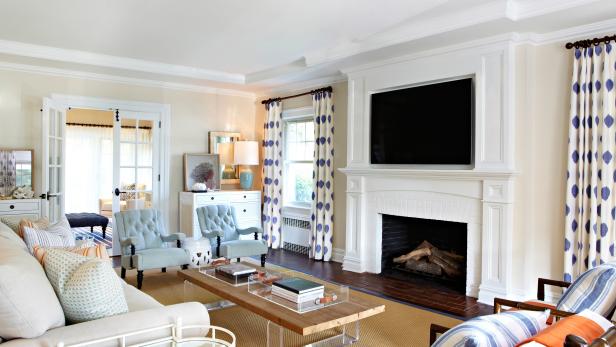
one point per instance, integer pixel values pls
(323, 174)
(272, 174)
(590, 214)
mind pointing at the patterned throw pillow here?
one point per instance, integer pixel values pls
(586, 324)
(595, 290)
(88, 249)
(505, 329)
(13, 221)
(40, 224)
(57, 235)
(88, 288)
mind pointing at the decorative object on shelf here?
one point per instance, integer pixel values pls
(201, 168)
(15, 172)
(23, 192)
(199, 188)
(246, 153)
(221, 143)
(200, 251)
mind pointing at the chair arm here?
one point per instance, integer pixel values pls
(435, 330)
(542, 282)
(212, 233)
(173, 237)
(500, 303)
(251, 230)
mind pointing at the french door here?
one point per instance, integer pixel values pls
(52, 160)
(136, 143)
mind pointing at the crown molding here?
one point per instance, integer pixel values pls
(57, 72)
(301, 86)
(95, 59)
(581, 31)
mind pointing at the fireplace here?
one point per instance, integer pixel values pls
(424, 249)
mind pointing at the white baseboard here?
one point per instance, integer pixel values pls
(338, 255)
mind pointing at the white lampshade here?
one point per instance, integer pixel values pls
(246, 153)
(225, 151)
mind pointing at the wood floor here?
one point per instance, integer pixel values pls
(419, 292)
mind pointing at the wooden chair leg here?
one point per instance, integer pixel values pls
(139, 279)
(238, 259)
(163, 269)
(185, 266)
(263, 257)
(123, 273)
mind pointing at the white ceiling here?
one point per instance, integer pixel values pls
(251, 44)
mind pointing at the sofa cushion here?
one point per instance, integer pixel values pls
(28, 305)
(503, 329)
(14, 221)
(586, 324)
(138, 300)
(157, 258)
(242, 248)
(595, 290)
(57, 235)
(88, 288)
(8, 236)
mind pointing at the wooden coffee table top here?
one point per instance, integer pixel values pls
(304, 324)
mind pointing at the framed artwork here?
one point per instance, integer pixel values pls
(221, 143)
(201, 168)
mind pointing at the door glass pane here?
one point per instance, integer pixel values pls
(127, 179)
(127, 154)
(144, 179)
(144, 134)
(139, 201)
(58, 126)
(129, 130)
(52, 122)
(58, 154)
(52, 144)
(144, 154)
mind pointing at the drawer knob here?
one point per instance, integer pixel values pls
(244, 196)
(12, 207)
(212, 198)
(244, 210)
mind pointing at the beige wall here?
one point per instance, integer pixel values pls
(543, 75)
(193, 115)
(340, 135)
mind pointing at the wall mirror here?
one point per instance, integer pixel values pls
(16, 172)
(221, 143)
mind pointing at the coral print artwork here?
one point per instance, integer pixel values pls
(201, 168)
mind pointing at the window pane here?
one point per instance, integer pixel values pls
(290, 135)
(298, 183)
(301, 131)
(310, 131)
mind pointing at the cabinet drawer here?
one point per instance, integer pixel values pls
(19, 207)
(211, 200)
(245, 211)
(239, 197)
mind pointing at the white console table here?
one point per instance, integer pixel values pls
(247, 205)
(20, 207)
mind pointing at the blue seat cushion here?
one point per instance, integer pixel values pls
(242, 248)
(156, 258)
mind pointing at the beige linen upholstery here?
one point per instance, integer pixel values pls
(138, 300)
(28, 305)
(192, 313)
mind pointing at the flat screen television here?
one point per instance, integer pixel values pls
(426, 125)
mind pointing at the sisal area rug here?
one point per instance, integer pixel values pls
(399, 325)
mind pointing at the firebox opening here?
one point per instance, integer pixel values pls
(427, 249)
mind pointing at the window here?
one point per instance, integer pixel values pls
(298, 154)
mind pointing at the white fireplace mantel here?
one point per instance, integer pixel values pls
(481, 197)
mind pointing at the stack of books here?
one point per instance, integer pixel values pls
(235, 271)
(297, 290)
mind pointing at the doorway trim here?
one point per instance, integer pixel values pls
(77, 101)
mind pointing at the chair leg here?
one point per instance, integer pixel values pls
(238, 259)
(123, 273)
(263, 257)
(139, 279)
(185, 266)
(163, 269)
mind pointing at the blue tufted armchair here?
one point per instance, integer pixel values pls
(218, 223)
(144, 243)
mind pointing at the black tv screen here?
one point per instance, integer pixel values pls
(429, 124)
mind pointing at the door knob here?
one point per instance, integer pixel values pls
(117, 192)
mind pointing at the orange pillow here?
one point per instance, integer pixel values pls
(586, 324)
(86, 250)
(40, 224)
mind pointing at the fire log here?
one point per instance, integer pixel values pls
(423, 250)
(424, 266)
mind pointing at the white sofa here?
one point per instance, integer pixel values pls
(31, 315)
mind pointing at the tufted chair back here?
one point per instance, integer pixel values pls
(144, 225)
(218, 217)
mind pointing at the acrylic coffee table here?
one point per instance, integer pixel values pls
(279, 318)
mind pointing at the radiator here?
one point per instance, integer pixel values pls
(296, 234)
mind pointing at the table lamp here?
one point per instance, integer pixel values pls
(246, 153)
(225, 152)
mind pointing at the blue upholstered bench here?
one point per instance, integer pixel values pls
(78, 220)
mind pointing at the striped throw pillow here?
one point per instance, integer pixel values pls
(40, 224)
(505, 329)
(586, 324)
(88, 249)
(57, 235)
(595, 290)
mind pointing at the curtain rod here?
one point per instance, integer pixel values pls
(588, 42)
(104, 126)
(325, 89)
